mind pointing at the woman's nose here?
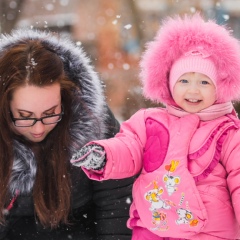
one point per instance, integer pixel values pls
(38, 127)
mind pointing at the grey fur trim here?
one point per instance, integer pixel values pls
(24, 169)
(83, 127)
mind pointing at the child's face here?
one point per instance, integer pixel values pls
(194, 92)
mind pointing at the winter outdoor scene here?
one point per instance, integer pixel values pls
(119, 119)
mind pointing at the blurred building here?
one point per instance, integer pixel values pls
(114, 34)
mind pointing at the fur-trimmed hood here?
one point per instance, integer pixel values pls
(83, 127)
(176, 37)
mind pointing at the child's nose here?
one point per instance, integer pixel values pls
(193, 88)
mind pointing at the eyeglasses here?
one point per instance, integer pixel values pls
(29, 122)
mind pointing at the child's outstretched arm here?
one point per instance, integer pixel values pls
(117, 157)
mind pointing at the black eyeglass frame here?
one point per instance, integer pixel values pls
(38, 119)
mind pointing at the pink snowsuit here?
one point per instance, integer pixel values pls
(189, 182)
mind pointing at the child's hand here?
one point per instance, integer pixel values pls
(90, 157)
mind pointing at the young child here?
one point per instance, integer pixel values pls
(187, 154)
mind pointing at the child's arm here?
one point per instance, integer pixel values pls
(231, 162)
(123, 153)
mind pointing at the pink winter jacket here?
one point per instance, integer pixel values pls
(167, 199)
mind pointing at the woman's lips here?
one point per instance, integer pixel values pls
(37, 135)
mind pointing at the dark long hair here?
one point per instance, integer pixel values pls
(31, 62)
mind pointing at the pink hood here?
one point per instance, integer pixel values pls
(178, 36)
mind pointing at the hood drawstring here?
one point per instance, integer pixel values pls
(10, 205)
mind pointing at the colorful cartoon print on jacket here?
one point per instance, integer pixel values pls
(159, 218)
(159, 207)
(171, 181)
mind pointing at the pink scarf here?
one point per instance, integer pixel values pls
(210, 113)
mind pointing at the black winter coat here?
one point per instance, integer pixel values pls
(99, 209)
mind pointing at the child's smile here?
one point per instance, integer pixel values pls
(193, 100)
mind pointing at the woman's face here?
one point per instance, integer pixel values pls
(36, 102)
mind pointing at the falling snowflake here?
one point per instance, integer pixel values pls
(193, 9)
(33, 62)
(78, 43)
(49, 7)
(128, 26)
(128, 201)
(226, 17)
(126, 66)
(110, 66)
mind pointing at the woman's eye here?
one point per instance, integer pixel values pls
(49, 114)
(22, 115)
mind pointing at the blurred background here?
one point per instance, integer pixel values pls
(113, 33)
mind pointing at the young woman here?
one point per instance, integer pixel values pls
(51, 104)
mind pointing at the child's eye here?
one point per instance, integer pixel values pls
(184, 81)
(204, 82)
